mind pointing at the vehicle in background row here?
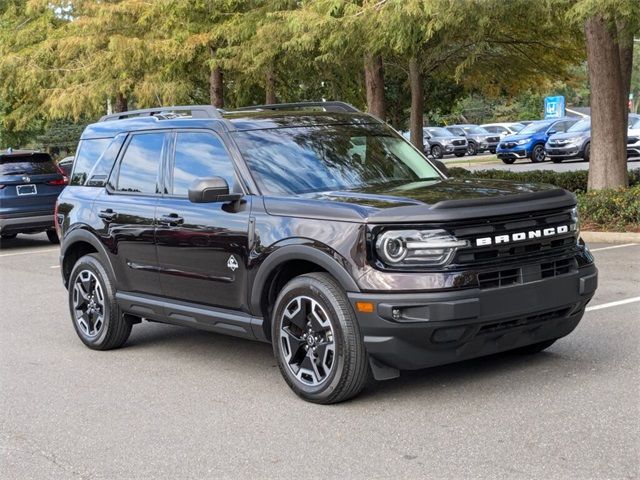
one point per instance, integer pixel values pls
(65, 165)
(478, 139)
(574, 143)
(503, 129)
(530, 141)
(29, 185)
(324, 233)
(426, 147)
(442, 142)
(633, 136)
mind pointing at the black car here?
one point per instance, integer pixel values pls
(442, 142)
(322, 232)
(29, 185)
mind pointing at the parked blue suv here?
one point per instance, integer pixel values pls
(529, 142)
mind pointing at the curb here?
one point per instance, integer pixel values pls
(610, 237)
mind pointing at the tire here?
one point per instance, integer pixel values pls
(436, 151)
(460, 154)
(328, 342)
(509, 161)
(534, 348)
(492, 151)
(537, 154)
(52, 235)
(557, 160)
(587, 152)
(472, 149)
(98, 332)
(8, 236)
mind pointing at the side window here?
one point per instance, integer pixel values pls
(139, 166)
(88, 154)
(200, 155)
(100, 172)
(559, 127)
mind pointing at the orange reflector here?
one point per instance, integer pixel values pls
(364, 307)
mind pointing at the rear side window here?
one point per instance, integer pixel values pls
(200, 155)
(140, 163)
(98, 175)
(26, 164)
(89, 152)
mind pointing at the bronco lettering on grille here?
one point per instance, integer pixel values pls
(519, 236)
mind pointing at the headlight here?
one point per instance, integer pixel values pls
(574, 140)
(417, 247)
(575, 222)
(445, 141)
(523, 141)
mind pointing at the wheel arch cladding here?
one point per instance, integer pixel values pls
(77, 244)
(286, 263)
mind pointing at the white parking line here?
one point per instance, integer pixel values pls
(612, 247)
(613, 304)
(29, 252)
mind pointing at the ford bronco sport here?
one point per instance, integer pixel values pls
(319, 229)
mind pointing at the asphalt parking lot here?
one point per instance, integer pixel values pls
(179, 403)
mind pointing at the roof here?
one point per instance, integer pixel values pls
(248, 118)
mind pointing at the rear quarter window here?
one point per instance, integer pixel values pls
(26, 164)
(95, 159)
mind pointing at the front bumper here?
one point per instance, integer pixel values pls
(513, 153)
(412, 331)
(25, 222)
(566, 151)
(454, 148)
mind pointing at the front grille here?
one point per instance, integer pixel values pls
(557, 267)
(458, 142)
(493, 139)
(507, 145)
(514, 252)
(632, 140)
(524, 321)
(499, 278)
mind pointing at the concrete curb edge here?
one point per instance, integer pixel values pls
(610, 237)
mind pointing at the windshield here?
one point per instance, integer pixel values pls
(581, 126)
(335, 157)
(440, 132)
(534, 127)
(634, 122)
(517, 127)
(475, 130)
(26, 164)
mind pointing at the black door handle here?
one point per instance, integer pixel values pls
(171, 220)
(108, 214)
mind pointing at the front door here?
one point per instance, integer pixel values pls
(202, 247)
(127, 209)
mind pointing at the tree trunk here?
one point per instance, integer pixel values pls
(122, 104)
(270, 86)
(374, 84)
(417, 104)
(608, 164)
(216, 87)
(625, 49)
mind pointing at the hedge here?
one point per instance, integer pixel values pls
(611, 210)
(575, 181)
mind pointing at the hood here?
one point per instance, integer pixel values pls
(515, 137)
(435, 200)
(566, 135)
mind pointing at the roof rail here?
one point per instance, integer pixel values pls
(197, 111)
(328, 106)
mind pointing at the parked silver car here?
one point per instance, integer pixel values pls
(478, 139)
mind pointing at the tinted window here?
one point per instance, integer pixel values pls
(311, 159)
(138, 170)
(89, 151)
(535, 127)
(26, 164)
(200, 155)
(98, 175)
(475, 130)
(581, 126)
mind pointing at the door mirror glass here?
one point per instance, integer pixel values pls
(552, 132)
(211, 190)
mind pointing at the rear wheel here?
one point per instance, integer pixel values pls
(508, 161)
(537, 154)
(316, 340)
(52, 235)
(92, 303)
(472, 149)
(436, 151)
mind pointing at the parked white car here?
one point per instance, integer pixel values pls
(503, 129)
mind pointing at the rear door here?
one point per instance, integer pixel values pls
(29, 184)
(202, 247)
(126, 209)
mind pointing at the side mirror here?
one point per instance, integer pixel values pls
(552, 132)
(211, 190)
(440, 166)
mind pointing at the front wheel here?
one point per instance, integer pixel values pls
(92, 303)
(472, 149)
(537, 154)
(316, 340)
(508, 161)
(492, 151)
(436, 151)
